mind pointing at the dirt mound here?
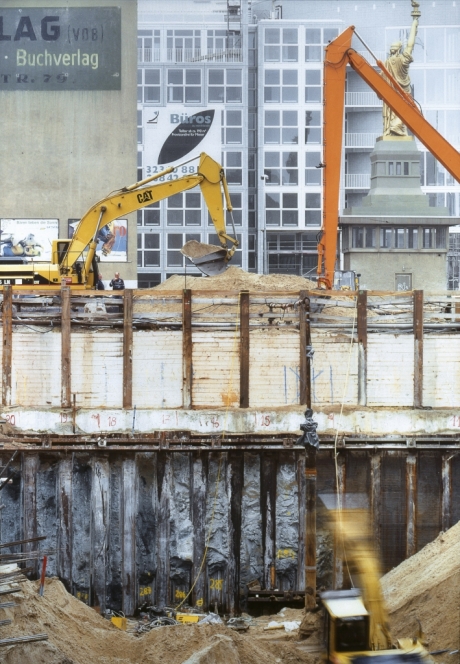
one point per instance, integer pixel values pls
(78, 635)
(427, 587)
(236, 279)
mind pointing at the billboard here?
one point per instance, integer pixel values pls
(175, 134)
(60, 48)
(28, 238)
(112, 240)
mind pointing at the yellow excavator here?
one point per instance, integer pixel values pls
(356, 622)
(73, 261)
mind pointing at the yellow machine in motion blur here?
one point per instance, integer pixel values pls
(356, 627)
(74, 262)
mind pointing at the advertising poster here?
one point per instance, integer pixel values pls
(175, 134)
(28, 238)
(112, 240)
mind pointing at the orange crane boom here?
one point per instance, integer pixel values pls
(339, 54)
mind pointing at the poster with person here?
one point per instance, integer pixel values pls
(112, 240)
(28, 238)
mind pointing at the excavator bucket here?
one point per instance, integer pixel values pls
(208, 258)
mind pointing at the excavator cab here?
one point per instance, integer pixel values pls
(346, 280)
(346, 622)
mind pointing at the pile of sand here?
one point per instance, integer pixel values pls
(427, 587)
(78, 635)
(236, 279)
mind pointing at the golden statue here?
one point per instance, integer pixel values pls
(397, 64)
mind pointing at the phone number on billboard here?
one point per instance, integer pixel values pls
(176, 173)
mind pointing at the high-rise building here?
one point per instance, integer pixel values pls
(258, 67)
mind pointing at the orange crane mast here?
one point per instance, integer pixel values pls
(339, 54)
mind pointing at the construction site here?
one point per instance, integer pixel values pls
(228, 467)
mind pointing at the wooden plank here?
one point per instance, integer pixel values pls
(198, 490)
(66, 373)
(446, 505)
(129, 507)
(362, 348)
(163, 595)
(128, 349)
(30, 466)
(305, 343)
(418, 348)
(64, 510)
(236, 471)
(244, 349)
(375, 497)
(100, 523)
(187, 348)
(411, 484)
(310, 530)
(7, 355)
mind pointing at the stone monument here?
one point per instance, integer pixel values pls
(395, 233)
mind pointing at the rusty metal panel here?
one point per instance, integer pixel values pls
(334, 358)
(429, 496)
(393, 518)
(390, 383)
(441, 370)
(157, 369)
(357, 480)
(274, 378)
(97, 369)
(216, 370)
(251, 555)
(36, 368)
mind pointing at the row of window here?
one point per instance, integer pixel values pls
(282, 209)
(281, 168)
(281, 127)
(186, 209)
(281, 86)
(186, 86)
(369, 237)
(149, 253)
(282, 44)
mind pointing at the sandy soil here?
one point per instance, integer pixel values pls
(427, 587)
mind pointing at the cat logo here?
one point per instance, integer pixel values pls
(145, 196)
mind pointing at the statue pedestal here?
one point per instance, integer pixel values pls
(395, 233)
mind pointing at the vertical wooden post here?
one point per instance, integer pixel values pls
(418, 348)
(100, 513)
(129, 513)
(446, 491)
(244, 349)
(305, 341)
(362, 348)
(30, 465)
(128, 349)
(64, 510)
(411, 484)
(310, 534)
(7, 356)
(65, 348)
(187, 348)
(375, 497)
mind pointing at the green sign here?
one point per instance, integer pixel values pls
(58, 48)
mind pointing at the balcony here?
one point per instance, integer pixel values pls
(148, 55)
(357, 181)
(362, 99)
(361, 140)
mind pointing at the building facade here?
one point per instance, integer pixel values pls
(258, 66)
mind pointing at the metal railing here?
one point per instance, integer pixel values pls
(361, 140)
(368, 98)
(357, 180)
(196, 55)
(145, 55)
